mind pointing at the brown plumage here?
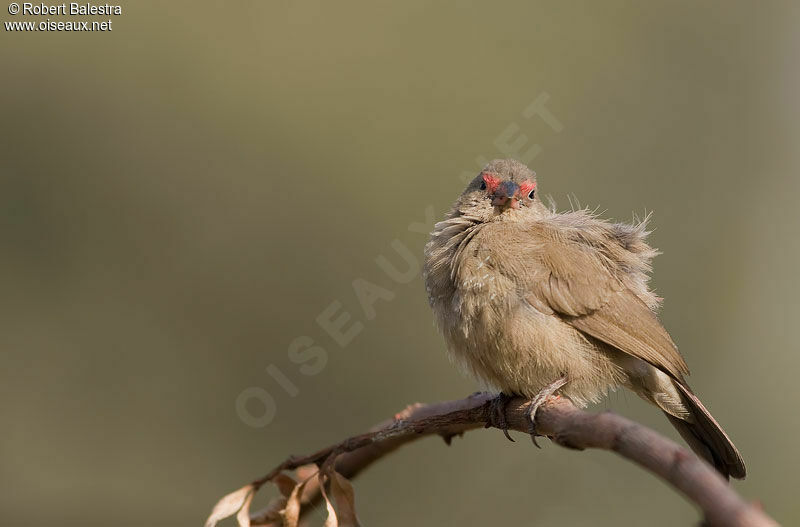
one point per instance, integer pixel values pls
(524, 296)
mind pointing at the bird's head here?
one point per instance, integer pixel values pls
(503, 186)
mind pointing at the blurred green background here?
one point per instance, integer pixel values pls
(181, 197)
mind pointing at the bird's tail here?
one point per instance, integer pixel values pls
(706, 437)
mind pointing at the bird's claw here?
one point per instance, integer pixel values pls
(497, 414)
(538, 400)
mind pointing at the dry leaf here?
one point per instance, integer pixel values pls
(271, 514)
(230, 505)
(243, 516)
(285, 484)
(331, 520)
(306, 471)
(291, 514)
(345, 498)
(341, 502)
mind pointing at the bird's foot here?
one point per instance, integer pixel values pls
(538, 400)
(497, 413)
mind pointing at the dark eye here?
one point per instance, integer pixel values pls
(530, 196)
(483, 185)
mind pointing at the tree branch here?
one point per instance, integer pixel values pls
(559, 419)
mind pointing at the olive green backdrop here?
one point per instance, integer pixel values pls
(181, 197)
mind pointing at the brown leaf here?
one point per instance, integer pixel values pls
(291, 514)
(306, 471)
(331, 520)
(344, 496)
(230, 505)
(243, 516)
(285, 484)
(271, 514)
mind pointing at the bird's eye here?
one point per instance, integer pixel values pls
(530, 196)
(483, 185)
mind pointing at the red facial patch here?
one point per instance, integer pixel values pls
(526, 186)
(491, 180)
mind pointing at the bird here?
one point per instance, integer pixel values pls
(538, 303)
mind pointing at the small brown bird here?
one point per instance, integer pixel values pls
(535, 302)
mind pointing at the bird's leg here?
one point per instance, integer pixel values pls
(538, 400)
(497, 413)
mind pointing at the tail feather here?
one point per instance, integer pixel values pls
(706, 437)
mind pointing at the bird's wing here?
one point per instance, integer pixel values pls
(576, 281)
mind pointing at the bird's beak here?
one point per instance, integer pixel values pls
(506, 195)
